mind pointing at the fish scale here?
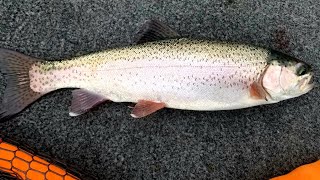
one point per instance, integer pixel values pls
(183, 73)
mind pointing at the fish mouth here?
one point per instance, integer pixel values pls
(311, 79)
(307, 83)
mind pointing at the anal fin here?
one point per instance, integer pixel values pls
(144, 108)
(83, 100)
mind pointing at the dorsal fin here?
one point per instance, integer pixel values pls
(154, 30)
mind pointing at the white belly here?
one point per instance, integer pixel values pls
(201, 86)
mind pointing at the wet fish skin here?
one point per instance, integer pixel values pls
(182, 73)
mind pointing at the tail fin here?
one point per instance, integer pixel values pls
(18, 94)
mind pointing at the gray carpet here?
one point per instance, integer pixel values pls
(254, 143)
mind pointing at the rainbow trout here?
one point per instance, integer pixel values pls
(161, 70)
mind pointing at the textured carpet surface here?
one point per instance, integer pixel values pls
(254, 143)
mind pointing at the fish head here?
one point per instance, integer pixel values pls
(287, 77)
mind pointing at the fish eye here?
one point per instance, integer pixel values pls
(301, 69)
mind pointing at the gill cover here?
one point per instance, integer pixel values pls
(286, 77)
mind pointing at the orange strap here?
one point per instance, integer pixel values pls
(305, 172)
(24, 165)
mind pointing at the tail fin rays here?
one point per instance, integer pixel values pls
(18, 94)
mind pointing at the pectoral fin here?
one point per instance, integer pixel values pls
(144, 108)
(257, 91)
(83, 100)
